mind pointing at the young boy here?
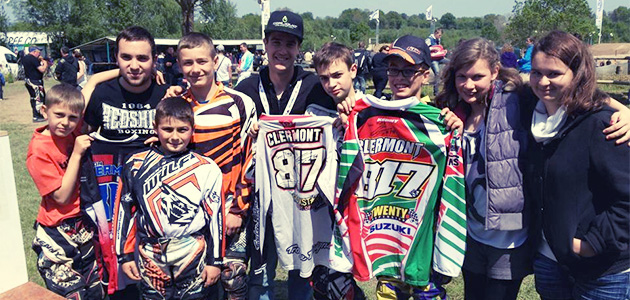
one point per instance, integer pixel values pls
(389, 220)
(171, 203)
(63, 241)
(222, 118)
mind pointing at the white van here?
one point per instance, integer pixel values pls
(8, 60)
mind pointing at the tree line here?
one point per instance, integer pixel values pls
(74, 22)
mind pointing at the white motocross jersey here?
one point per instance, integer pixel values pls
(296, 165)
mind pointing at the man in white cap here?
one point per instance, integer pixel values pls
(223, 67)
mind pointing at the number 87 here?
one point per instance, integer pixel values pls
(304, 165)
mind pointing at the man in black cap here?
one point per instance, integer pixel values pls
(281, 88)
(67, 68)
(34, 68)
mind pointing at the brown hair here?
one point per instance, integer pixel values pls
(331, 52)
(466, 54)
(194, 40)
(583, 94)
(507, 48)
(65, 94)
(174, 107)
(136, 33)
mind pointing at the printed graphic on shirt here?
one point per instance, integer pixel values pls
(295, 166)
(131, 118)
(397, 160)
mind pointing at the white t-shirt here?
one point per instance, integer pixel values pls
(222, 68)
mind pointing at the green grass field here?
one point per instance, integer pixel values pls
(15, 117)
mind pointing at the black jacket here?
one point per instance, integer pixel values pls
(67, 69)
(580, 185)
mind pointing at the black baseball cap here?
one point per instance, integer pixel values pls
(412, 49)
(287, 22)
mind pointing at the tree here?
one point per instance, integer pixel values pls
(491, 33)
(536, 17)
(188, 13)
(448, 21)
(219, 19)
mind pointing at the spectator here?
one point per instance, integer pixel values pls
(363, 61)
(67, 68)
(508, 57)
(245, 65)
(379, 71)
(34, 68)
(223, 67)
(525, 63)
(434, 41)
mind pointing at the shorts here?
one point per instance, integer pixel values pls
(172, 268)
(495, 263)
(66, 259)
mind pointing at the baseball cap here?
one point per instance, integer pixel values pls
(33, 48)
(285, 21)
(220, 48)
(412, 49)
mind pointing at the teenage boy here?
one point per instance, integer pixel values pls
(120, 109)
(281, 88)
(222, 119)
(336, 71)
(169, 212)
(63, 241)
(408, 69)
(125, 105)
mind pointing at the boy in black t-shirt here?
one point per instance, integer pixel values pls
(123, 107)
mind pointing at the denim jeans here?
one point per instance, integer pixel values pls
(435, 67)
(553, 282)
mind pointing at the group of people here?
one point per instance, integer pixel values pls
(297, 168)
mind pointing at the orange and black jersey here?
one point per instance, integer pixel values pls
(166, 197)
(221, 125)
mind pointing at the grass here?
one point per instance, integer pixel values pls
(16, 119)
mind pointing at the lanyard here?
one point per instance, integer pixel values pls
(290, 104)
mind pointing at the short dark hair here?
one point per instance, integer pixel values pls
(439, 29)
(331, 52)
(194, 40)
(174, 107)
(65, 50)
(136, 33)
(244, 44)
(65, 94)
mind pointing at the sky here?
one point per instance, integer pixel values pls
(459, 8)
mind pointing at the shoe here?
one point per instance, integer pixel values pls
(38, 119)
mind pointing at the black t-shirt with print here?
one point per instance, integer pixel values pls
(119, 113)
(31, 63)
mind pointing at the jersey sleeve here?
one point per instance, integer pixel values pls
(124, 216)
(213, 209)
(243, 188)
(450, 239)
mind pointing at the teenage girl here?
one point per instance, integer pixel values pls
(497, 117)
(578, 180)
